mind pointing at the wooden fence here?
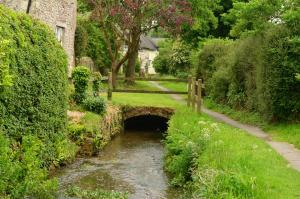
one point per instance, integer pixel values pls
(194, 89)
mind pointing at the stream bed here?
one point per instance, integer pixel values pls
(132, 162)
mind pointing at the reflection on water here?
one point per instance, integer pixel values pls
(132, 162)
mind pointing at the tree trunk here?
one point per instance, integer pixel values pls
(130, 69)
(114, 72)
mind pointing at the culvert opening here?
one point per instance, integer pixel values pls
(146, 123)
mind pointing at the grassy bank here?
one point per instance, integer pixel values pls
(214, 160)
(288, 132)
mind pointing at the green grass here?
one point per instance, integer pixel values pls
(137, 99)
(282, 131)
(174, 86)
(285, 132)
(215, 160)
(242, 116)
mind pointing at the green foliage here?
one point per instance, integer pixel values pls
(21, 170)
(89, 41)
(83, 6)
(253, 16)
(173, 59)
(96, 83)
(80, 76)
(213, 160)
(255, 73)
(5, 77)
(95, 104)
(76, 132)
(37, 102)
(287, 132)
(77, 192)
(33, 109)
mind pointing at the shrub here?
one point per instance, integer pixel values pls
(80, 76)
(21, 172)
(76, 132)
(36, 103)
(256, 73)
(33, 109)
(96, 83)
(95, 104)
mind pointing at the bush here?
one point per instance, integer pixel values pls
(257, 73)
(95, 104)
(33, 109)
(173, 59)
(80, 76)
(21, 173)
(76, 132)
(36, 103)
(96, 83)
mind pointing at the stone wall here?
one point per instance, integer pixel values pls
(55, 13)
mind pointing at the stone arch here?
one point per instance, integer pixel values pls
(130, 112)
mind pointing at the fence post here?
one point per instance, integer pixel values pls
(193, 92)
(199, 94)
(189, 91)
(109, 90)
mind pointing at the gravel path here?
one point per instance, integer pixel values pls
(286, 150)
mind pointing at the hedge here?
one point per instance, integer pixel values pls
(33, 107)
(37, 101)
(256, 73)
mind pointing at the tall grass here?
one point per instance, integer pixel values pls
(214, 160)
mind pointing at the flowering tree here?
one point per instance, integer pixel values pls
(124, 21)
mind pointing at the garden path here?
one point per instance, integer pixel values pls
(286, 150)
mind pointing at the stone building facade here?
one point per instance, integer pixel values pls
(60, 15)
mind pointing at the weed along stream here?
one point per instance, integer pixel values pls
(132, 162)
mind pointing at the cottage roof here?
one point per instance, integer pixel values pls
(147, 43)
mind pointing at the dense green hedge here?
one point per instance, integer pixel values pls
(37, 101)
(257, 73)
(33, 107)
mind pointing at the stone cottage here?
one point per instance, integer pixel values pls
(60, 15)
(148, 52)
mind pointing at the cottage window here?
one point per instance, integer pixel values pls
(60, 32)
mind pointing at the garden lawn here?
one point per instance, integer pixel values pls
(287, 132)
(215, 160)
(137, 99)
(174, 86)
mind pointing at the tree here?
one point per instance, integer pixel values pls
(124, 21)
(253, 16)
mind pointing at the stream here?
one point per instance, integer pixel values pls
(132, 162)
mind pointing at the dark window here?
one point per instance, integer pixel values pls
(60, 33)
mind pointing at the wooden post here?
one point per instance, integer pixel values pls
(199, 94)
(189, 91)
(193, 92)
(109, 90)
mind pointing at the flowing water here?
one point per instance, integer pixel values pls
(132, 162)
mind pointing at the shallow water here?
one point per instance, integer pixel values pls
(132, 162)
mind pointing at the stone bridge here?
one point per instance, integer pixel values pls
(131, 112)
